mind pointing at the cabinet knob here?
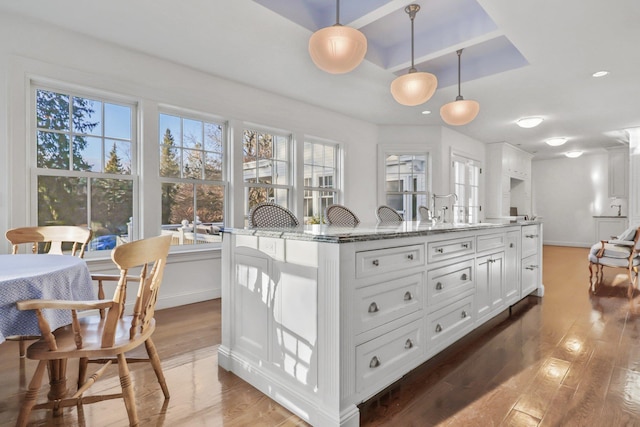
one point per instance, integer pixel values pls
(410, 256)
(438, 328)
(373, 307)
(374, 362)
(464, 276)
(408, 296)
(438, 286)
(463, 314)
(465, 245)
(375, 262)
(439, 250)
(408, 344)
(510, 245)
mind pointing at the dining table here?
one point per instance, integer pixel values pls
(41, 276)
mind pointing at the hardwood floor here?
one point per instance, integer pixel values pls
(568, 359)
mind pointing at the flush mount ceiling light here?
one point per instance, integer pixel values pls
(337, 49)
(414, 88)
(425, 112)
(573, 154)
(529, 122)
(555, 142)
(461, 111)
(600, 73)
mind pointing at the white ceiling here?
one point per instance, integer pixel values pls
(521, 57)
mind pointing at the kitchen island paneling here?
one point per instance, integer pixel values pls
(322, 318)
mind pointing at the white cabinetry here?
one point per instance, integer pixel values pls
(508, 180)
(321, 326)
(607, 227)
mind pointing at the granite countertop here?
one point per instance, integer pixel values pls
(364, 232)
(609, 216)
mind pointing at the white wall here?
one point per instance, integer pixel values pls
(567, 194)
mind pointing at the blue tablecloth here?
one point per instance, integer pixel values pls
(40, 277)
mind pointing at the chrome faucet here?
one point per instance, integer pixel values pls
(619, 208)
(444, 196)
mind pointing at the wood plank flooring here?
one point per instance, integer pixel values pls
(568, 359)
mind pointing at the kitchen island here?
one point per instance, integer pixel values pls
(321, 318)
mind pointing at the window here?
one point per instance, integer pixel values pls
(320, 178)
(405, 183)
(466, 184)
(84, 165)
(191, 172)
(266, 168)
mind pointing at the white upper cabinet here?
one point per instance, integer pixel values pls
(508, 180)
(618, 172)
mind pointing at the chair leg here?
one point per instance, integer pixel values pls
(157, 367)
(592, 285)
(127, 390)
(23, 347)
(32, 394)
(82, 370)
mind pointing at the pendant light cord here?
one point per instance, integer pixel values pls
(412, 9)
(337, 12)
(459, 97)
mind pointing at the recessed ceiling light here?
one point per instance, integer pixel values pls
(600, 73)
(425, 112)
(554, 142)
(529, 122)
(573, 154)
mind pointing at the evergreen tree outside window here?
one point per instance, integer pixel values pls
(191, 172)
(84, 167)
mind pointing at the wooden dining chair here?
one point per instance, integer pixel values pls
(53, 236)
(621, 252)
(271, 215)
(103, 341)
(386, 213)
(340, 215)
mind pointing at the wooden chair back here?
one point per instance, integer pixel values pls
(271, 215)
(54, 235)
(150, 255)
(341, 215)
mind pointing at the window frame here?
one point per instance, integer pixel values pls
(182, 114)
(35, 84)
(336, 177)
(463, 204)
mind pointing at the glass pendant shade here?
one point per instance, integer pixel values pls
(414, 88)
(459, 112)
(337, 49)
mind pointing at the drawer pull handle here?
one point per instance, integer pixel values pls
(530, 236)
(465, 245)
(438, 286)
(408, 344)
(373, 308)
(374, 362)
(464, 276)
(375, 262)
(410, 256)
(408, 296)
(438, 328)
(439, 250)
(531, 267)
(463, 314)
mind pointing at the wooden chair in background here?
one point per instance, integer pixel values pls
(622, 252)
(103, 341)
(53, 236)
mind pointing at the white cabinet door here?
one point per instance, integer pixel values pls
(489, 285)
(512, 268)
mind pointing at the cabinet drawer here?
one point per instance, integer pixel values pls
(450, 248)
(386, 358)
(447, 282)
(490, 241)
(530, 240)
(446, 325)
(370, 263)
(530, 274)
(387, 301)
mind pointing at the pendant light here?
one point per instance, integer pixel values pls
(414, 88)
(461, 111)
(337, 49)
